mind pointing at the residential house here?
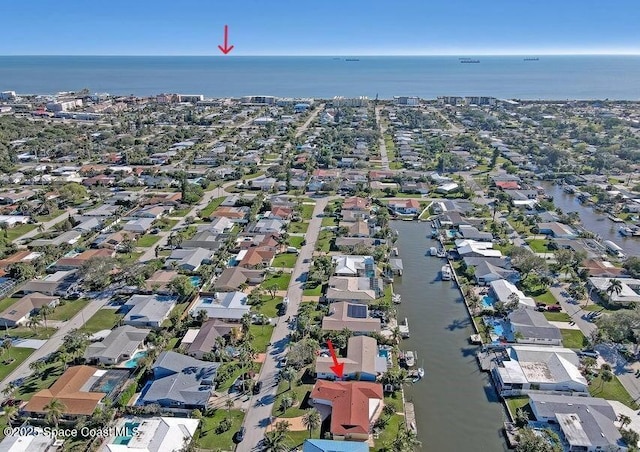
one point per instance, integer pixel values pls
(74, 389)
(354, 317)
(188, 259)
(60, 283)
(269, 225)
(502, 290)
(32, 440)
(349, 244)
(472, 233)
(206, 238)
(501, 262)
(205, 341)
(114, 241)
(354, 405)
(152, 211)
(362, 362)
(232, 278)
(405, 206)
(472, 248)
(532, 327)
(529, 367)
(585, 423)
(235, 214)
(557, 230)
(67, 237)
(230, 306)
(327, 445)
(629, 293)
(603, 269)
(88, 225)
(20, 311)
(358, 204)
(485, 272)
(281, 213)
(354, 289)
(220, 225)
(148, 310)
(120, 345)
(347, 265)
(156, 434)
(139, 225)
(19, 257)
(76, 261)
(181, 382)
(160, 281)
(359, 229)
(257, 257)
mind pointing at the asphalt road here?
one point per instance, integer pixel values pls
(383, 147)
(258, 416)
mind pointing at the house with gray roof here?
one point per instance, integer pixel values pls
(472, 233)
(230, 306)
(266, 225)
(207, 239)
(121, 344)
(188, 259)
(586, 423)
(232, 278)
(67, 237)
(139, 225)
(532, 327)
(148, 310)
(207, 336)
(485, 272)
(181, 382)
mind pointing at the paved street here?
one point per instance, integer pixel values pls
(258, 416)
(48, 225)
(384, 158)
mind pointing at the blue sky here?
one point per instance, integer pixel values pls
(327, 27)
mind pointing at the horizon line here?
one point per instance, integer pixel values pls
(335, 55)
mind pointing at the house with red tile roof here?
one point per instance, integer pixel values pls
(507, 185)
(257, 257)
(355, 405)
(405, 206)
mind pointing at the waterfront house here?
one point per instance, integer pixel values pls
(353, 289)
(557, 230)
(229, 306)
(20, 311)
(347, 265)
(472, 248)
(120, 345)
(532, 327)
(485, 273)
(405, 206)
(354, 405)
(502, 290)
(603, 269)
(362, 362)
(148, 310)
(156, 434)
(585, 423)
(354, 317)
(180, 382)
(74, 389)
(529, 367)
(472, 233)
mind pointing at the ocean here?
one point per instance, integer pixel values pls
(549, 78)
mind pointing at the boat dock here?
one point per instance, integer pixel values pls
(404, 329)
(410, 417)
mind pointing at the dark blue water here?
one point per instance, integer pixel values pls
(552, 77)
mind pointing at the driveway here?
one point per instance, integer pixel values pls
(258, 416)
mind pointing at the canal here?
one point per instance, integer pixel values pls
(592, 221)
(456, 406)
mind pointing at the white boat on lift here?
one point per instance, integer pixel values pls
(445, 271)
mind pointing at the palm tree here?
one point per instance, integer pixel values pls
(34, 322)
(624, 420)
(283, 427)
(229, 404)
(55, 409)
(312, 420)
(8, 389)
(274, 442)
(285, 403)
(11, 413)
(605, 374)
(615, 285)
(288, 374)
(44, 312)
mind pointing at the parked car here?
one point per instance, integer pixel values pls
(240, 434)
(554, 308)
(257, 387)
(589, 353)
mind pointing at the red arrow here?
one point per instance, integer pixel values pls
(337, 368)
(227, 48)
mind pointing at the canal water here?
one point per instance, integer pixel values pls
(592, 221)
(456, 406)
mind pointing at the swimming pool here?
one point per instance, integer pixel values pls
(487, 302)
(129, 433)
(132, 362)
(195, 281)
(383, 353)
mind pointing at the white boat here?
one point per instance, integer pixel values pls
(441, 253)
(396, 298)
(433, 251)
(409, 359)
(625, 231)
(421, 372)
(445, 271)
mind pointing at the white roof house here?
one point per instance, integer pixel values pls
(148, 310)
(352, 265)
(474, 248)
(630, 292)
(502, 289)
(158, 434)
(222, 305)
(539, 368)
(188, 259)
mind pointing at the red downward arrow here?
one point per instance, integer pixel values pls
(227, 48)
(337, 368)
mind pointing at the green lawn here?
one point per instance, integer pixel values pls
(104, 319)
(329, 221)
(213, 205)
(206, 436)
(300, 392)
(6, 302)
(167, 225)
(546, 298)
(573, 339)
(389, 432)
(68, 310)
(147, 241)
(611, 390)
(538, 246)
(268, 306)
(307, 211)
(48, 375)
(281, 281)
(11, 359)
(286, 260)
(315, 292)
(557, 316)
(180, 213)
(129, 258)
(50, 216)
(513, 403)
(298, 227)
(224, 385)
(27, 333)
(295, 240)
(261, 336)
(324, 241)
(19, 230)
(296, 439)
